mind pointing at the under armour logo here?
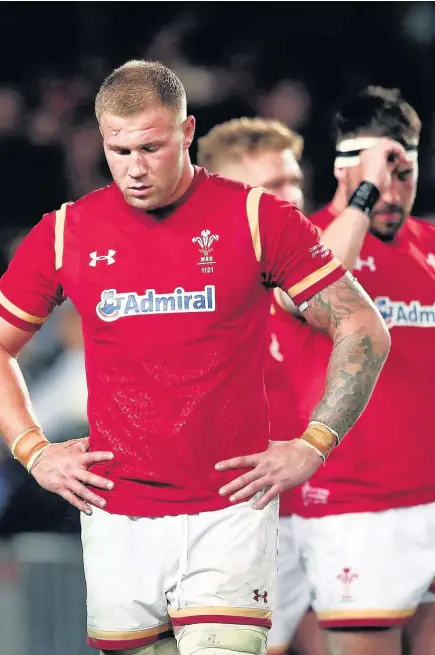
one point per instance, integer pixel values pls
(110, 257)
(257, 595)
(430, 259)
(369, 262)
(274, 349)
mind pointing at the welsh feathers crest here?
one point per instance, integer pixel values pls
(205, 241)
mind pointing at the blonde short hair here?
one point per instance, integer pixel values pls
(139, 85)
(233, 140)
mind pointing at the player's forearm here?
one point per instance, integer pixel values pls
(16, 414)
(345, 235)
(361, 346)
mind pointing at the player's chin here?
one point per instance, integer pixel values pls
(146, 204)
(384, 232)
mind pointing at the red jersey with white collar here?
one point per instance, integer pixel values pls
(174, 306)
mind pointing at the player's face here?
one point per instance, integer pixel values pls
(395, 204)
(147, 155)
(275, 170)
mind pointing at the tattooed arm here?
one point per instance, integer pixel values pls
(361, 345)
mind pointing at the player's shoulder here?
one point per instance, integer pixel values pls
(225, 188)
(223, 185)
(322, 217)
(93, 200)
(420, 228)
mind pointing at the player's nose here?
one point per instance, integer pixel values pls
(391, 196)
(137, 171)
(137, 167)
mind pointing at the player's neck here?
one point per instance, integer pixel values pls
(339, 201)
(184, 183)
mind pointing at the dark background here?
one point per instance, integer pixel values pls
(290, 60)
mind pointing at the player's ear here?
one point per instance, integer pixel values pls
(188, 131)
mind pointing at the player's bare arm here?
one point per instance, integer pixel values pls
(61, 468)
(361, 346)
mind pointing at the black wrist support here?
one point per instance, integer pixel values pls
(364, 197)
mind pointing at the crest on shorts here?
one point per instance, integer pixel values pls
(347, 577)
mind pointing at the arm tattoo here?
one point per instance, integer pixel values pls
(331, 306)
(361, 346)
(353, 370)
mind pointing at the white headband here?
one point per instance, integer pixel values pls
(348, 150)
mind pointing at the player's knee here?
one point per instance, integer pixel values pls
(164, 647)
(222, 639)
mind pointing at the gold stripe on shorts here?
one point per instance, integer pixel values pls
(220, 611)
(109, 635)
(365, 614)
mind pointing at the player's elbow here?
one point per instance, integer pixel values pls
(384, 335)
(377, 331)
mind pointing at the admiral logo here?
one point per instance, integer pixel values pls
(116, 305)
(399, 313)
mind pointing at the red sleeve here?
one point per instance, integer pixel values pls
(322, 218)
(292, 254)
(29, 290)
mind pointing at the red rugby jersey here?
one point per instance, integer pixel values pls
(282, 353)
(388, 459)
(278, 374)
(174, 312)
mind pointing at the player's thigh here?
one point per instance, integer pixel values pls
(359, 641)
(229, 574)
(126, 605)
(161, 647)
(292, 597)
(309, 638)
(421, 630)
(367, 569)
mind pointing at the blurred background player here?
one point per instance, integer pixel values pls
(366, 522)
(265, 153)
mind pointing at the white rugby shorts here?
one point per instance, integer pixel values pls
(369, 569)
(145, 575)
